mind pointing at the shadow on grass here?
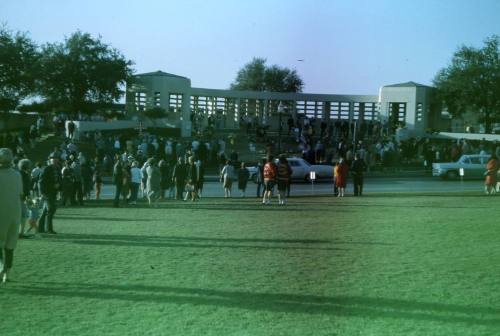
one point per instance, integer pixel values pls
(347, 306)
(106, 219)
(196, 242)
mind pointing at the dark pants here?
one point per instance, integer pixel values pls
(259, 186)
(77, 193)
(358, 185)
(118, 193)
(9, 258)
(48, 212)
(134, 188)
(179, 188)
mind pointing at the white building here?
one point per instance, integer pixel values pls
(407, 104)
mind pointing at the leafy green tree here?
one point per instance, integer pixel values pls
(19, 57)
(83, 73)
(256, 76)
(472, 82)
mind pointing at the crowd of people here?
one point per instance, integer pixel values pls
(158, 168)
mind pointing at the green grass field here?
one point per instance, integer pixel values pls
(378, 265)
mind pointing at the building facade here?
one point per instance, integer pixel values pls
(406, 105)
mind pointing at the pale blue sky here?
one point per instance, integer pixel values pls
(350, 47)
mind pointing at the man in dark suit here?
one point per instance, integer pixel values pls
(179, 178)
(50, 182)
(117, 179)
(357, 170)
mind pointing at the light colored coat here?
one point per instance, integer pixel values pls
(10, 207)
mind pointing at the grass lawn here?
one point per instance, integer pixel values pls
(377, 265)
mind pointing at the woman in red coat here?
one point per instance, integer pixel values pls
(341, 171)
(490, 181)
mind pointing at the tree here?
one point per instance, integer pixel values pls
(472, 82)
(256, 76)
(18, 68)
(83, 73)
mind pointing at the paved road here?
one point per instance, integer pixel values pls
(373, 185)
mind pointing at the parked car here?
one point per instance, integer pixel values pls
(301, 170)
(473, 167)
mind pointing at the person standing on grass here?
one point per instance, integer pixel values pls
(335, 188)
(153, 186)
(190, 177)
(117, 180)
(342, 170)
(11, 194)
(166, 178)
(135, 182)
(97, 179)
(144, 178)
(260, 178)
(490, 181)
(50, 182)
(179, 178)
(269, 174)
(200, 177)
(357, 171)
(284, 174)
(226, 177)
(243, 176)
(24, 166)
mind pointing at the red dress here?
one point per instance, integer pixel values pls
(491, 177)
(341, 171)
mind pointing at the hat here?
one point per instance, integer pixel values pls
(6, 157)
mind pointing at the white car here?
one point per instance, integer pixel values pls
(301, 170)
(473, 166)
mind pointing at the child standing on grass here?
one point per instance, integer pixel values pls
(34, 213)
(190, 191)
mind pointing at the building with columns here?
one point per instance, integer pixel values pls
(406, 105)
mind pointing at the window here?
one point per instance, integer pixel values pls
(175, 102)
(420, 111)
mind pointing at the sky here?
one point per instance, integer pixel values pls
(336, 46)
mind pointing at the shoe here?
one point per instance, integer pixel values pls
(51, 232)
(4, 277)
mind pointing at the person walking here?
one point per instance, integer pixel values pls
(269, 173)
(283, 177)
(342, 170)
(50, 182)
(243, 176)
(11, 193)
(226, 177)
(357, 171)
(490, 181)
